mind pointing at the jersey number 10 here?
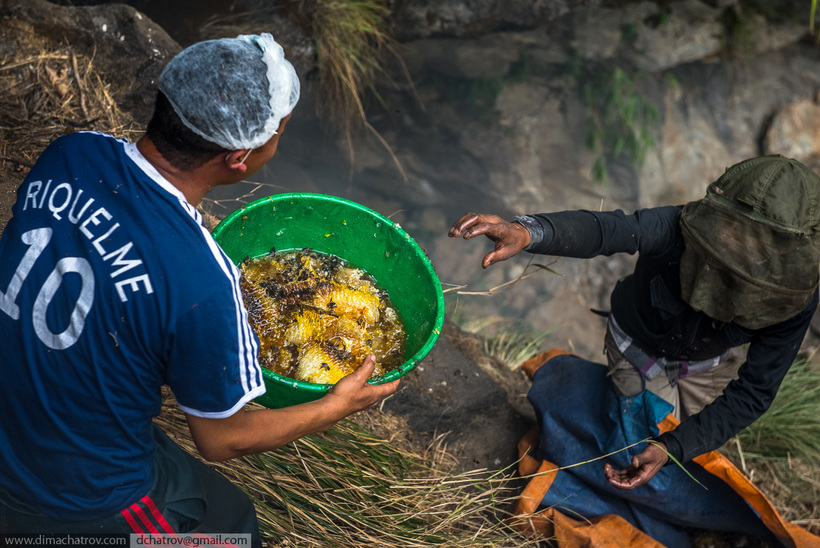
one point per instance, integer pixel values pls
(37, 240)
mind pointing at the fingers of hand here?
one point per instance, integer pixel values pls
(502, 252)
(390, 387)
(630, 478)
(658, 451)
(369, 363)
(462, 223)
(624, 481)
(376, 393)
(471, 225)
(493, 257)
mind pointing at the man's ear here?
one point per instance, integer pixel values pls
(235, 160)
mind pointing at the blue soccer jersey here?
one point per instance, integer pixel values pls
(110, 287)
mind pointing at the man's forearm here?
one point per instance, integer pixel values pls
(258, 430)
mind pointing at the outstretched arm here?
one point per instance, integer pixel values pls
(259, 430)
(509, 238)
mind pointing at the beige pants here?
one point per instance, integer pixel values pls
(688, 396)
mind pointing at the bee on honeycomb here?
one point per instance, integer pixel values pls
(317, 317)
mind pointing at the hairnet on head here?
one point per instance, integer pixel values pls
(232, 91)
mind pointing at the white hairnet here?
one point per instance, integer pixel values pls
(233, 91)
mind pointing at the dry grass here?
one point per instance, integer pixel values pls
(49, 93)
(791, 485)
(507, 339)
(47, 90)
(780, 452)
(349, 488)
(350, 39)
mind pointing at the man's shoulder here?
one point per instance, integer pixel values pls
(87, 137)
(79, 142)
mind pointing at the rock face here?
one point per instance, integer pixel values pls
(793, 132)
(413, 19)
(501, 122)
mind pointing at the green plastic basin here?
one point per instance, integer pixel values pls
(361, 236)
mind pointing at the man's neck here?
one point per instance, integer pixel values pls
(193, 184)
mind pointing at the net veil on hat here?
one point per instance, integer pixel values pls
(753, 243)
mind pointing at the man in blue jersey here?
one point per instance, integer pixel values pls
(110, 288)
(739, 266)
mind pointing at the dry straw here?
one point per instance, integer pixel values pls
(49, 93)
(780, 452)
(350, 488)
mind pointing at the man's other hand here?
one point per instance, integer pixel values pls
(644, 467)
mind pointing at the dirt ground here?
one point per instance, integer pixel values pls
(9, 181)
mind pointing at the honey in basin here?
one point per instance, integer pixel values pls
(317, 317)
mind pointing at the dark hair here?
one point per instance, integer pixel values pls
(178, 144)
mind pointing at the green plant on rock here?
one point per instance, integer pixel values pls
(521, 71)
(476, 91)
(620, 118)
(481, 93)
(742, 28)
(629, 32)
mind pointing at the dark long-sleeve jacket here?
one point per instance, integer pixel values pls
(648, 307)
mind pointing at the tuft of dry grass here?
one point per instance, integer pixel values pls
(507, 339)
(49, 93)
(352, 39)
(47, 90)
(780, 452)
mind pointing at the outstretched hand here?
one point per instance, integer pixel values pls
(354, 393)
(644, 466)
(509, 238)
